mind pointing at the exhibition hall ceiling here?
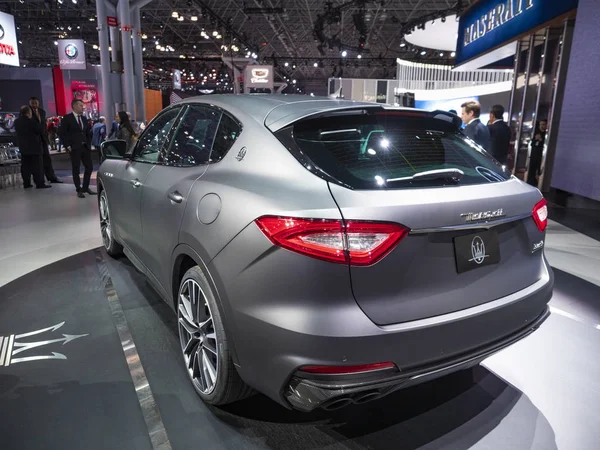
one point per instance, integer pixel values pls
(318, 39)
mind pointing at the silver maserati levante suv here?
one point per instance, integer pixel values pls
(325, 252)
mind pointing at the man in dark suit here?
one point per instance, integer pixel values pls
(39, 115)
(474, 128)
(500, 135)
(29, 138)
(77, 139)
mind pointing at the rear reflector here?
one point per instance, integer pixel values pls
(356, 243)
(540, 214)
(342, 370)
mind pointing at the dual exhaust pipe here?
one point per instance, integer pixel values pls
(346, 400)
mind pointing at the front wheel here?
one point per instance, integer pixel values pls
(206, 352)
(113, 248)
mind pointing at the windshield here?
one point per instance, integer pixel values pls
(390, 150)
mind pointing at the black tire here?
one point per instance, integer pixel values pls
(228, 387)
(112, 247)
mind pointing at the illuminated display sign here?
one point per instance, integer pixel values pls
(9, 52)
(176, 79)
(71, 54)
(489, 24)
(259, 76)
(496, 17)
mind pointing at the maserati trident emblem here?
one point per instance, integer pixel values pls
(13, 345)
(241, 154)
(478, 250)
(483, 215)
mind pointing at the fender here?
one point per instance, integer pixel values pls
(215, 282)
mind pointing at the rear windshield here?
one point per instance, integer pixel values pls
(389, 150)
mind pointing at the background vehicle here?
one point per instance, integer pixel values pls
(325, 252)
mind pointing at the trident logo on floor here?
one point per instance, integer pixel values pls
(11, 346)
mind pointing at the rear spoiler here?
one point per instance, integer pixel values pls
(447, 117)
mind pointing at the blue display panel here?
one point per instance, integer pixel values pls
(492, 23)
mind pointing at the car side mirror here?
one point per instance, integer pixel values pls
(116, 149)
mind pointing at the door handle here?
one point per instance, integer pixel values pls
(175, 197)
(135, 183)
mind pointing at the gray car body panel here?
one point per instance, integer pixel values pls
(282, 309)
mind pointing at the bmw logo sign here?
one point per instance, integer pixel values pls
(1, 32)
(71, 51)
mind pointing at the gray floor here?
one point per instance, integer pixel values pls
(542, 393)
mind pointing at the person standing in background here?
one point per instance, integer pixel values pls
(114, 128)
(500, 135)
(39, 115)
(474, 129)
(99, 132)
(77, 139)
(52, 130)
(537, 152)
(29, 138)
(126, 131)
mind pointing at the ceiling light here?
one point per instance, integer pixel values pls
(316, 64)
(55, 43)
(453, 54)
(403, 44)
(180, 19)
(215, 33)
(74, 2)
(344, 53)
(294, 81)
(286, 64)
(423, 53)
(144, 36)
(442, 54)
(175, 14)
(359, 56)
(194, 18)
(95, 47)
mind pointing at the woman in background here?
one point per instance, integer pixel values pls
(126, 131)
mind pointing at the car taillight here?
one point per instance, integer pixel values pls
(540, 214)
(342, 370)
(355, 242)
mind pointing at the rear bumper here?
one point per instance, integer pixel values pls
(281, 323)
(306, 394)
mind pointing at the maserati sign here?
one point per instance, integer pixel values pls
(19, 348)
(495, 18)
(71, 54)
(9, 52)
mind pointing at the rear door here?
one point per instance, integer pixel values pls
(168, 187)
(471, 234)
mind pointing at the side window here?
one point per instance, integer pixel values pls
(194, 137)
(152, 140)
(228, 132)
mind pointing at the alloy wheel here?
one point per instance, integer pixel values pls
(197, 337)
(105, 227)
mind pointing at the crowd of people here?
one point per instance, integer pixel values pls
(78, 135)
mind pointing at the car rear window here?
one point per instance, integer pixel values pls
(389, 150)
